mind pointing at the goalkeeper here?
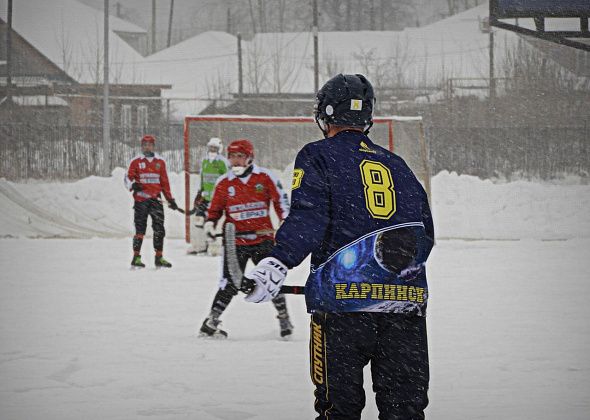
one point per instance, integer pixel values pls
(212, 167)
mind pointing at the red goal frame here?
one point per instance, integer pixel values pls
(389, 121)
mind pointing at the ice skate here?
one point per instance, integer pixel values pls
(286, 328)
(136, 263)
(161, 262)
(210, 329)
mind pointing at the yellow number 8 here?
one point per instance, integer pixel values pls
(297, 178)
(379, 192)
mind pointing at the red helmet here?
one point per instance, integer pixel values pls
(148, 138)
(241, 146)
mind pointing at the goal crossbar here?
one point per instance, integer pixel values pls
(388, 121)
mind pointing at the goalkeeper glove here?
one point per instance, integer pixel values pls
(136, 187)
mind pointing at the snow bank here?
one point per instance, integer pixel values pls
(471, 208)
(463, 206)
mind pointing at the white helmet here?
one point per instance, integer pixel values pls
(215, 142)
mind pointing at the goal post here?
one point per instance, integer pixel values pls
(277, 140)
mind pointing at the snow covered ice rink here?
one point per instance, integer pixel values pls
(83, 337)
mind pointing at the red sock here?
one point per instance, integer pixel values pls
(158, 253)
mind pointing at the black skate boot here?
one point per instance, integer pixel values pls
(286, 327)
(136, 262)
(210, 329)
(161, 262)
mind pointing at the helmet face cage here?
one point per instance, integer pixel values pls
(215, 142)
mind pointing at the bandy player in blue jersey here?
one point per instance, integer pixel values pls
(363, 216)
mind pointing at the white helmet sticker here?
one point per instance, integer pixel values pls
(356, 105)
(329, 110)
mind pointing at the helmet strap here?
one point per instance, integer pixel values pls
(368, 128)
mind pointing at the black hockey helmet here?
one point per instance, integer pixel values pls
(345, 100)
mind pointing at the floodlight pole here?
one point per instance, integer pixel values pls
(170, 23)
(106, 129)
(492, 75)
(153, 49)
(9, 55)
(240, 70)
(316, 77)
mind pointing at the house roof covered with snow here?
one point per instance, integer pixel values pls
(452, 47)
(197, 67)
(206, 65)
(70, 34)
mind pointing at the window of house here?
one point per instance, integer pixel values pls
(126, 122)
(142, 118)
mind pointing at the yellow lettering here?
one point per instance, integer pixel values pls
(402, 293)
(412, 293)
(377, 291)
(365, 290)
(341, 291)
(389, 292)
(353, 292)
(317, 354)
(420, 291)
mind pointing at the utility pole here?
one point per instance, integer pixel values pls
(316, 66)
(106, 128)
(240, 73)
(170, 22)
(153, 26)
(492, 76)
(9, 55)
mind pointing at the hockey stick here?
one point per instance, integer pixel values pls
(245, 234)
(183, 211)
(235, 272)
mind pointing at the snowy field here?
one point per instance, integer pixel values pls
(82, 337)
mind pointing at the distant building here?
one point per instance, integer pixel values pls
(43, 93)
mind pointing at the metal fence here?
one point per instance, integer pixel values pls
(54, 152)
(530, 152)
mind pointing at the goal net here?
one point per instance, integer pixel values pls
(277, 140)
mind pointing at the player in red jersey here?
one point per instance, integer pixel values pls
(244, 194)
(147, 178)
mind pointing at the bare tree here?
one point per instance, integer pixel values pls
(283, 66)
(255, 76)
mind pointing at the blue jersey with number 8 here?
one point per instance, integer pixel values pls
(364, 217)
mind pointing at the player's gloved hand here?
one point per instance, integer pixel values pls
(172, 204)
(199, 199)
(136, 187)
(209, 228)
(269, 275)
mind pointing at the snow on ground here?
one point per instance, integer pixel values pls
(83, 337)
(464, 207)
